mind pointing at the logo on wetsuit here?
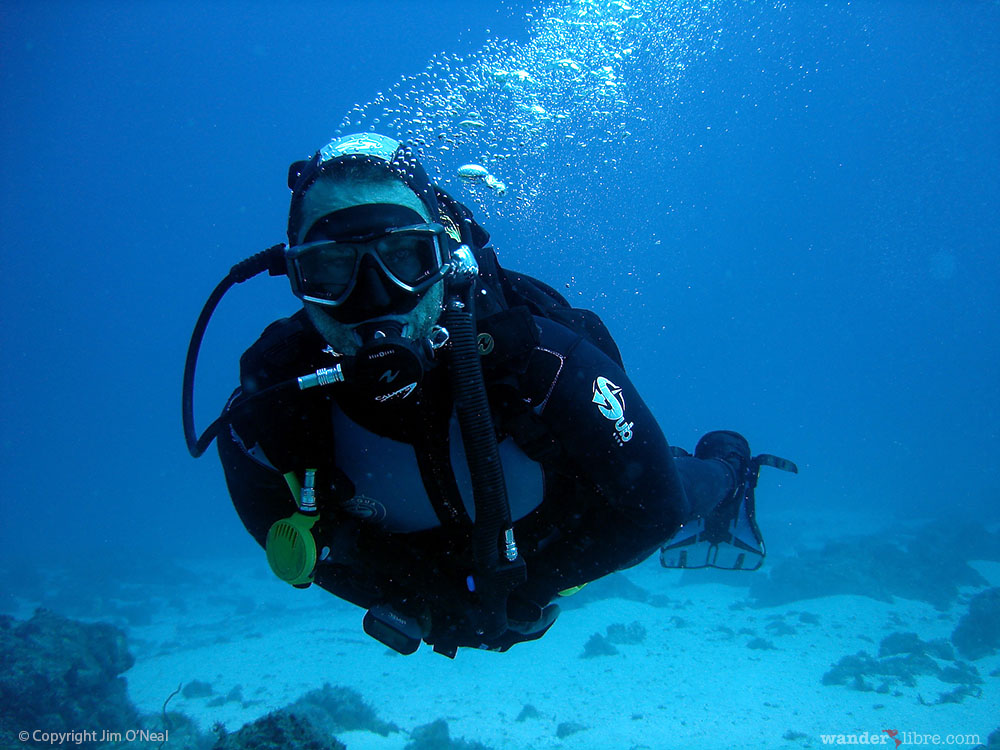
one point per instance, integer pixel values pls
(611, 404)
(365, 508)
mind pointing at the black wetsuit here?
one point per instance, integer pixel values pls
(592, 484)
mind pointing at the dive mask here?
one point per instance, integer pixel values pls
(325, 271)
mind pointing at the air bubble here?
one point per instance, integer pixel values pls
(582, 79)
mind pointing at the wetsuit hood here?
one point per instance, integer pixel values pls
(366, 148)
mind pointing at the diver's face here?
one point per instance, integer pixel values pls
(374, 295)
(368, 261)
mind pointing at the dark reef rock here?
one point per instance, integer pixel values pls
(435, 736)
(905, 669)
(235, 695)
(568, 728)
(279, 730)
(780, 627)
(900, 643)
(184, 734)
(973, 539)
(760, 644)
(340, 709)
(630, 635)
(598, 645)
(992, 743)
(929, 565)
(726, 632)
(957, 695)
(60, 676)
(960, 674)
(528, 712)
(197, 689)
(911, 643)
(902, 668)
(978, 632)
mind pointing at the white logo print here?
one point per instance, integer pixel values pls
(403, 392)
(611, 404)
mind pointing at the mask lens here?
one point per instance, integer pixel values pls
(410, 256)
(326, 270)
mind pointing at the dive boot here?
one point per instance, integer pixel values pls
(728, 537)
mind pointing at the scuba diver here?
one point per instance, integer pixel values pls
(445, 443)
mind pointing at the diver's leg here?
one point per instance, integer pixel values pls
(722, 531)
(707, 483)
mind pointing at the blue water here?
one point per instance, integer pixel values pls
(792, 232)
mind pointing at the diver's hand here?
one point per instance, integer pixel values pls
(451, 632)
(520, 631)
(537, 627)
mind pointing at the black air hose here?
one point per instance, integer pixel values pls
(477, 429)
(271, 260)
(496, 575)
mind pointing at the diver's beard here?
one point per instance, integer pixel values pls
(343, 338)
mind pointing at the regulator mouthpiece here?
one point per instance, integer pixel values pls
(389, 367)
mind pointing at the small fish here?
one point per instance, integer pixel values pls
(473, 172)
(495, 185)
(478, 173)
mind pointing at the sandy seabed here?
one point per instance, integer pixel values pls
(695, 681)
